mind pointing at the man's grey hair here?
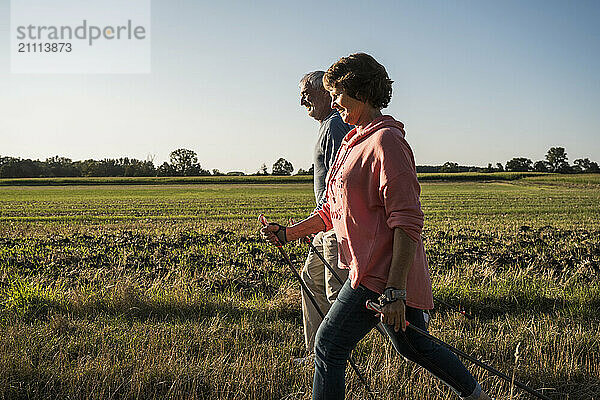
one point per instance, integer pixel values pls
(313, 79)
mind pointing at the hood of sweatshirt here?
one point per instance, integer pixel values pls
(358, 134)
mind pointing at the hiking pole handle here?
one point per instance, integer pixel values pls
(371, 305)
(284, 254)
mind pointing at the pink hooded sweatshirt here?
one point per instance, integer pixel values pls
(373, 189)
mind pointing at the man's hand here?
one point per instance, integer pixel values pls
(394, 314)
(274, 234)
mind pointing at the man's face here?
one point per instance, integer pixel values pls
(317, 102)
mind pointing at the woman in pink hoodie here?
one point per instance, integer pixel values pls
(372, 203)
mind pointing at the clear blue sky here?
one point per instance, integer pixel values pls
(475, 82)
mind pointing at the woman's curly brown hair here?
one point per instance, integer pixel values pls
(362, 78)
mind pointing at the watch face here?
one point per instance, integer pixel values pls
(395, 294)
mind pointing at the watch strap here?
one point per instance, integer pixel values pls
(391, 294)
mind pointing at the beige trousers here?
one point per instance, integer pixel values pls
(321, 283)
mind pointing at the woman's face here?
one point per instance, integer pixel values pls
(350, 109)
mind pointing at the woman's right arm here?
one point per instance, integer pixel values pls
(312, 224)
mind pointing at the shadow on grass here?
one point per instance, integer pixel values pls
(489, 308)
(578, 386)
(573, 386)
(134, 308)
(25, 383)
(175, 311)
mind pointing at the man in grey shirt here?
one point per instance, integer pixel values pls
(317, 277)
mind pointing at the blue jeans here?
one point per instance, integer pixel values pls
(349, 320)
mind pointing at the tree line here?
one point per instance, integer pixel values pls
(184, 162)
(556, 160)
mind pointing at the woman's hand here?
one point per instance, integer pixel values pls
(394, 314)
(274, 234)
(403, 255)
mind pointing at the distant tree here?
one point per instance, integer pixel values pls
(587, 166)
(165, 170)
(262, 170)
(540, 166)
(84, 167)
(428, 168)
(216, 172)
(11, 167)
(582, 163)
(311, 170)
(490, 168)
(108, 167)
(557, 160)
(202, 172)
(235, 173)
(449, 167)
(303, 172)
(147, 168)
(519, 164)
(500, 167)
(61, 166)
(133, 167)
(282, 167)
(185, 162)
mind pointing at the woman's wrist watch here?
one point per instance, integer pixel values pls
(391, 294)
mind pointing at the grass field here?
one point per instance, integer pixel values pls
(165, 291)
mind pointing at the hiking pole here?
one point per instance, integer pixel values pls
(320, 256)
(284, 254)
(371, 305)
